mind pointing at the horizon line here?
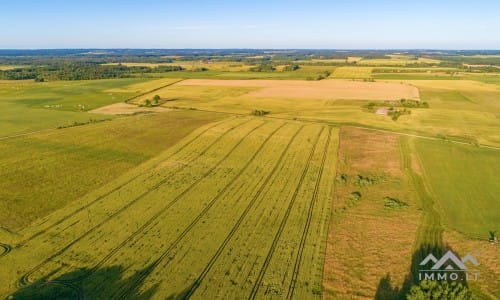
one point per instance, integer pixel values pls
(252, 48)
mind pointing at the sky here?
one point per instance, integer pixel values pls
(298, 24)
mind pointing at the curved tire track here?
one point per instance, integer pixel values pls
(25, 278)
(24, 281)
(6, 249)
(23, 242)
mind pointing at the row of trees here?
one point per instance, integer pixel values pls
(80, 71)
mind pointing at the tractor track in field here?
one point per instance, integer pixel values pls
(70, 282)
(154, 217)
(236, 226)
(298, 260)
(6, 249)
(175, 243)
(23, 242)
(24, 281)
(274, 244)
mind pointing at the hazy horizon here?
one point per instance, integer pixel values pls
(360, 24)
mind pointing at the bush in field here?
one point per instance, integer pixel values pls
(263, 67)
(355, 196)
(293, 67)
(260, 113)
(363, 181)
(393, 203)
(342, 178)
(430, 289)
(396, 113)
(156, 99)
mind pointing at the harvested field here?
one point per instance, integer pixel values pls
(325, 89)
(126, 109)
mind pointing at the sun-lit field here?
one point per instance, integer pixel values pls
(200, 197)
(352, 73)
(32, 188)
(265, 175)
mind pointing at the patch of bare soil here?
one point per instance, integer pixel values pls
(126, 109)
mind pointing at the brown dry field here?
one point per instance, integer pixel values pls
(126, 109)
(487, 256)
(366, 241)
(323, 89)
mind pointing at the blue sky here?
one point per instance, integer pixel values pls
(437, 24)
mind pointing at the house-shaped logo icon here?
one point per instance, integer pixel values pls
(449, 262)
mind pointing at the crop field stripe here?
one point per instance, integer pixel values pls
(214, 258)
(174, 244)
(144, 226)
(115, 189)
(25, 279)
(257, 283)
(298, 260)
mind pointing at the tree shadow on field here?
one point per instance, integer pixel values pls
(104, 283)
(386, 289)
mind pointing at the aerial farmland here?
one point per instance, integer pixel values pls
(245, 173)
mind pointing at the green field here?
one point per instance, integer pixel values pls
(68, 159)
(462, 180)
(200, 197)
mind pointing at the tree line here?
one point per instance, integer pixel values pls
(80, 71)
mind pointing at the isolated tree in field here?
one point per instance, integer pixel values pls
(156, 98)
(147, 103)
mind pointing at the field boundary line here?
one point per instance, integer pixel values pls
(277, 236)
(336, 124)
(236, 226)
(115, 189)
(158, 214)
(174, 244)
(24, 281)
(151, 91)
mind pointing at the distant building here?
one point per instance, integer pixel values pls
(382, 111)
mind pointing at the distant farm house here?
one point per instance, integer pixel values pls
(382, 111)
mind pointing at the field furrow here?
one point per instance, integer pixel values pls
(129, 216)
(233, 268)
(46, 225)
(221, 211)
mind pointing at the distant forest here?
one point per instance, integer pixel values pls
(89, 64)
